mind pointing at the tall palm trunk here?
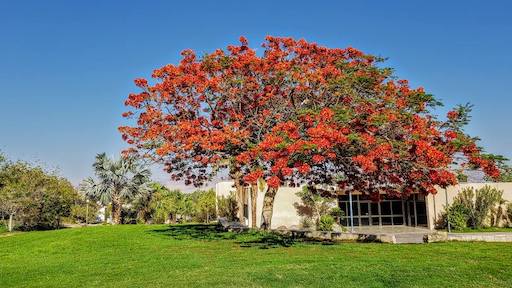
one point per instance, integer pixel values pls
(116, 210)
(268, 208)
(254, 196)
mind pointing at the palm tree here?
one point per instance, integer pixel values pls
(117, 181)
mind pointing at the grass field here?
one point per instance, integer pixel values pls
(197, 256)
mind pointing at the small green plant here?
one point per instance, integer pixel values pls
(326, 223)
(457, 216)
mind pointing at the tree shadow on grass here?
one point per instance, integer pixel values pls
(246, 239)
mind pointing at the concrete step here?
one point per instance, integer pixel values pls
(404, 238)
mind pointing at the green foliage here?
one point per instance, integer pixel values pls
(167, 204)
(227, 206)
(84, 211)
(326, 223)
(458, 216)
(118, 181)
(204, 205)
(34, 197)
(475, 208)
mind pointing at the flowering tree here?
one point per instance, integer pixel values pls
(299, 113)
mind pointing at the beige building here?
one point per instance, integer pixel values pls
(416, 211)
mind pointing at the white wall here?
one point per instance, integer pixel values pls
(284, 214)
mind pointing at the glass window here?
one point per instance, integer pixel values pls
(375, 221)
(420, 208)
(343, 207)
(385, 208)
(398, 220)
(365, 221)
(397, 207)
(375, 208)
(364, 209)
(355, 208)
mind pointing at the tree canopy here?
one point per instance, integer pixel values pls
(299, 113)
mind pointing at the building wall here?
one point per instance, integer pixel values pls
(285, 213)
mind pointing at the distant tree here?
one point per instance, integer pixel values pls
(117, 181)
(50, 201)
(84, 211)
(15, 190)
(36, 198)
(205, 206)
(227, 207)
(167, 204)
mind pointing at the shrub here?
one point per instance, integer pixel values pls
(457, 215)
(326, 223)
(473, 208)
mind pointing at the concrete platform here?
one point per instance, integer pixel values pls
(396, 234)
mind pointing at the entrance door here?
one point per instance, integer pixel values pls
(416, 210)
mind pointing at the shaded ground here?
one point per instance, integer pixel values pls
(199, 256)
(250, 238)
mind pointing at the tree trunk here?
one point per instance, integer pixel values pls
(268, 208)
(10, 222)
(116, 210)
(254, 197)
(237, 177)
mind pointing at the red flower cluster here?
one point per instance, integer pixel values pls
(299, 113)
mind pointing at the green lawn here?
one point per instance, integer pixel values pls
(185, 256)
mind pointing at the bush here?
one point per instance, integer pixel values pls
(474, 208)
(457, 216)
(326, 223)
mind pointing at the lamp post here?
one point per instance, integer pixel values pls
(447, 214)
(351, 212)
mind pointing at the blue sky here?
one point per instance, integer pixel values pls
(67, 66)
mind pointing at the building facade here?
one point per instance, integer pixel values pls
(417, 211)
